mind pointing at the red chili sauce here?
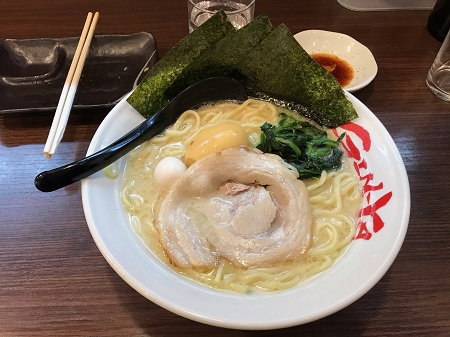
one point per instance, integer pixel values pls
(339, 68)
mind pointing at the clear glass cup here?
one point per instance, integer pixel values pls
(239, 12)
(438, 79)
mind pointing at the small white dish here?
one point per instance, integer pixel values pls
(346, 48)
(383, 226)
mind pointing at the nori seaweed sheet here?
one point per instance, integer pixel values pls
(270, 62)
(281, 68)
(223, 58)
(149, 97)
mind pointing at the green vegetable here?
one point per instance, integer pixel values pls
(302, 145)
(281, 68)
(149, 96)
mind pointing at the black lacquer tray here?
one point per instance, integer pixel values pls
(32, 72)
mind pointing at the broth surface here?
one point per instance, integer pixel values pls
(335, 201)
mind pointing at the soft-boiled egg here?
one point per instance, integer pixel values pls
(167, 171)
(215, 139)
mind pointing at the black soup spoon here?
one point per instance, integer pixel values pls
(208, 90)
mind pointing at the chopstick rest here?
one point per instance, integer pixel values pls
(70, 86)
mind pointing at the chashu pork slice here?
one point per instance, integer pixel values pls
(241, 204)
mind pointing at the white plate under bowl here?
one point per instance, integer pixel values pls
(345, 47)
(385, 221)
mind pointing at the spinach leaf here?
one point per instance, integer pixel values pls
(302, 145)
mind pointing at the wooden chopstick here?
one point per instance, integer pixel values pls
(70, 86)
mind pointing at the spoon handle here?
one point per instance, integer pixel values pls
(207, 90)
(57, 178)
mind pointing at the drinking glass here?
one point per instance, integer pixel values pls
(438, 79)
(239, 12)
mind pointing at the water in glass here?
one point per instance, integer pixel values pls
(206, 9)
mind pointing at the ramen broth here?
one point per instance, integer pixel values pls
(335, 199)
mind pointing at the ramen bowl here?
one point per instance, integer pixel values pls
(381, 231)
(358, 56)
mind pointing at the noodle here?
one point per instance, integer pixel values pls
(335, 201)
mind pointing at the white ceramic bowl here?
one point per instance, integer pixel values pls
(345, 47)
(385, 218)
